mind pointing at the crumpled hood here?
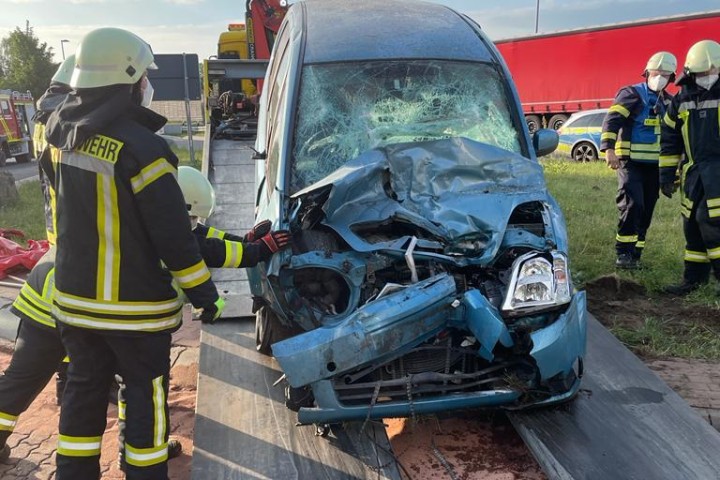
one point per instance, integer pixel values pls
(86, 112)
(53, 96)
(456, 189)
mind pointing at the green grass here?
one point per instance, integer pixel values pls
(28, 214)
(586, 193)
(657, 338)
(183, 155)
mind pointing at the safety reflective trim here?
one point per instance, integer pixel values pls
(192, 276)
(117, 307)
(148, 325)
(233, 254)
(640, 244)
(669, 160)
(608, 136)
(215, 233)
(7, 422)
(121, 410)
(108, 225)
(669, 121)
(622, 151)
(66, 359)
(686, 106)
(36, 298)
(145, 457)
(152, 172)
(87, 163)
(708, 104)
(620, 109)
(78, 446)
(623, 144)
(160, 421)
(32, 312)
(626, 238)
(696, 257)
(714, 213)
(651, 122)
(713, 253)
(686, 201)
(713, 202)
(644, 155)
(685, 130)
(101, 147)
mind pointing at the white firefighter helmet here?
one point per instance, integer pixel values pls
(64, 71)
(663, 61)
(110, 56)
(702, 56)
(199, 194)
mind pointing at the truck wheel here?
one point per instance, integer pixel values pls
(267, 326)
(584, 152)
(534, 123)
(23, 158)
(556, 121)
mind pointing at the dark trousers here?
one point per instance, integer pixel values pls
(37, 355)
(702, 236)
(638, 191)
(143, 361)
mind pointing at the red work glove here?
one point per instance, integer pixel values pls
(272, 243)
(258, 231)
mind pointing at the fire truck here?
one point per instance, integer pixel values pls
(16, 126)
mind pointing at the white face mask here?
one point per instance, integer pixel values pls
(147, 94)
(657, 83)
(193, 222)
(707, 81)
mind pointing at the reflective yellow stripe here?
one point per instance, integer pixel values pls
(78, 446)
(32, 312)
(117, 307)
(608, 136)
(713, 202)
(626, 238)
(102, 147)
(145, 457)
(215, 233)
(620, 109)
(192, 276)
(121, 410)
(669, 121)
(108, 224)
(685, 116)
(651, 122)
(640, 244)
(146, 325)
(622, 151)
(152, 172)
(7, 422)
(696, 257)
(714, 213)
(643, 155)
(669, 160)
(687, 202)
(159, 428)
(623, 144)
(714, 253)
(233, 254)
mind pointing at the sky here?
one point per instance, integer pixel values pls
(193, 26)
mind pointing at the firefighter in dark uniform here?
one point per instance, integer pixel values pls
(690, 155)
(38, 351)
(631, 142)
(125, 252)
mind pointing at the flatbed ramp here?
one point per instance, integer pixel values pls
(626, 424)
(242, 427)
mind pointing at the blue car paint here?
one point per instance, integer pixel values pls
(485, 323)
(557, 347)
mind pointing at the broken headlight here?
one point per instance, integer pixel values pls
(538, 281)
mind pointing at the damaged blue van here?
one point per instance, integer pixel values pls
(429, 269)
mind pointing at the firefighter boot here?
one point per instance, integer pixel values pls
(695, 276)
(174, 448)
(626, 261)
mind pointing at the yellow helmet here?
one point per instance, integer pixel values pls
(64, 71)
(110, 56)
(199, 194)
(663, 61)
(702, 56)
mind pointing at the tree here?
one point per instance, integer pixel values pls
(25, 63)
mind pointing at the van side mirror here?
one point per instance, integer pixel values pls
(545, 141)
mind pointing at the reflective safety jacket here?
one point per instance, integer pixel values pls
(124, 247)
(691, 127)
(632, 124)
(225, 250)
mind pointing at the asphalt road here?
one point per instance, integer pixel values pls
(21, 171)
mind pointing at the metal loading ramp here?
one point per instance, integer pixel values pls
(626, 424)
(242, 427)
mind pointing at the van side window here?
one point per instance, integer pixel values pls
(276, 105)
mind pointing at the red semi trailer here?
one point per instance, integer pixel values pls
(560, 73)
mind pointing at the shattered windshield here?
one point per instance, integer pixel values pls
(346, 109)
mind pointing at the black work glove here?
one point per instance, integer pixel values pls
(273, 242)
(213, 311)
(668, 189)
(258, 231)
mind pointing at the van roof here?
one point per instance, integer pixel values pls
(342, 30)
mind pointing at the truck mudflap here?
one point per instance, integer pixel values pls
(379, 329)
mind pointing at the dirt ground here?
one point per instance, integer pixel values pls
(618, 301)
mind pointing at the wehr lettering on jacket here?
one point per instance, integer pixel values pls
(102, 147)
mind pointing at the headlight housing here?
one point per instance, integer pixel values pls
(539, 281)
